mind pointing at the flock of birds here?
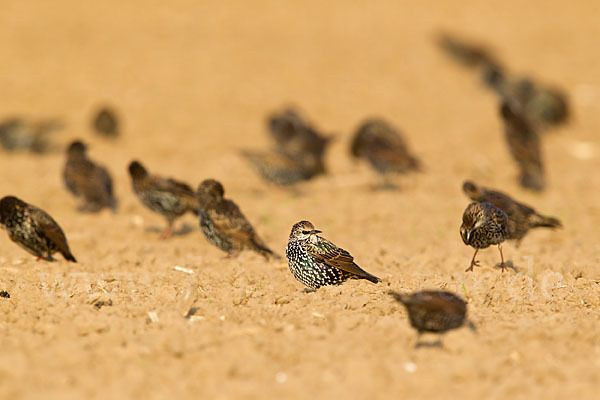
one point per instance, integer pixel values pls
(527, 110)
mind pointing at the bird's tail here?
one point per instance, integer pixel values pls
(68, 256)
(543, 221)
(264, 251)
(371, 278)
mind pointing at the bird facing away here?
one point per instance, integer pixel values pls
(383, 147)
(165, 196)
(434, 311)
(86, 179)
(23, 134)
(106, 122)
(279, 168)
(521, 217)
(316, 262)
(524, 145)
(33, 229)
(223, 224)
(484, 225)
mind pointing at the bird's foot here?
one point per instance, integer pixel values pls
(166, 233)
(474, 263)
(502, 266)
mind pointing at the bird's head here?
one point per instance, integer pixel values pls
(137, 170)
(76, 148)
(8, 205)
(473, 217)
(304, 230)
(472, 190)
(210, 190)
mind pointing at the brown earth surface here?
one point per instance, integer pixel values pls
(194, 82)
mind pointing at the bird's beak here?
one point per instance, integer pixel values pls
(468, 235)
(315, 231)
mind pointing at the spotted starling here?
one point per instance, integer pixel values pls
(165, 196)
(484, 225)
(279, 168)
(106, 122)
(521, 217)
(223, 224)
(524, 145)
(33, 229)
(434, 311)
(316, 262)
(383, 147)
(86, 179)
(24, 134)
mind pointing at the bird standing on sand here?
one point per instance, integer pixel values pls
(316, 262)
(521, 218)
(524, 145)
(223, 224)
(165, 196)
(484, 225)
(23, 134)
(434, 311)
(33, 229)
(86, 179)
(383, 147)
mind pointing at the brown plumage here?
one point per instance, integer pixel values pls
(524, 145)
(24, 134)
(279, 168)
(33, 229)
(383, 147)
(434, 311)
(521, 217)
(165, 196)
(86, 179)
(106, 122)
(484, 225)
(223, 224)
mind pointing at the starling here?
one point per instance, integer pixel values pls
(434, 311)
(279, 168)
(106, 122)
(316, 262)
(521, 217)
(33, 229)
(23, 134)
(86, 179)
(164, 196)
(296, 137)
(484, 225)
(383, 147)
(524, 145)
(223, 224)
(468, 54)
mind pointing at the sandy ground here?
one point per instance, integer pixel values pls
(194, 82)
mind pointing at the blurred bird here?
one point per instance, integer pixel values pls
(279, 168)
(484, 225)
(468, 54)
(383, 147)
(165, 196)
(521, 217)
(524, 145)
(86, 179)
(106, 122)
(298, 154)
(317, 262)
(24, 134)
(33, 229)
(223, 224)
(434, 311)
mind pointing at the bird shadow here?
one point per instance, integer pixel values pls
(185, 229)
(509, 265)
(437, 344)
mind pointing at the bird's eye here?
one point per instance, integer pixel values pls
(305, 232)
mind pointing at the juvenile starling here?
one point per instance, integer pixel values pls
(434, 311)
(33, 229)
(484, 225)
(106, 122)
(383, 147)
(23, 134)
(279, 168)
(165, 196)
(524, 145)
(86, 179)
(223, 224)
(521, 217)
(317, 262)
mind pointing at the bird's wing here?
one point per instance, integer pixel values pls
(50, 229)
(328, 253)
(228, 218)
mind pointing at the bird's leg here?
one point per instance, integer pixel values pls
(168, 230)
(474, 263)
(40, 258)
(501, 258)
